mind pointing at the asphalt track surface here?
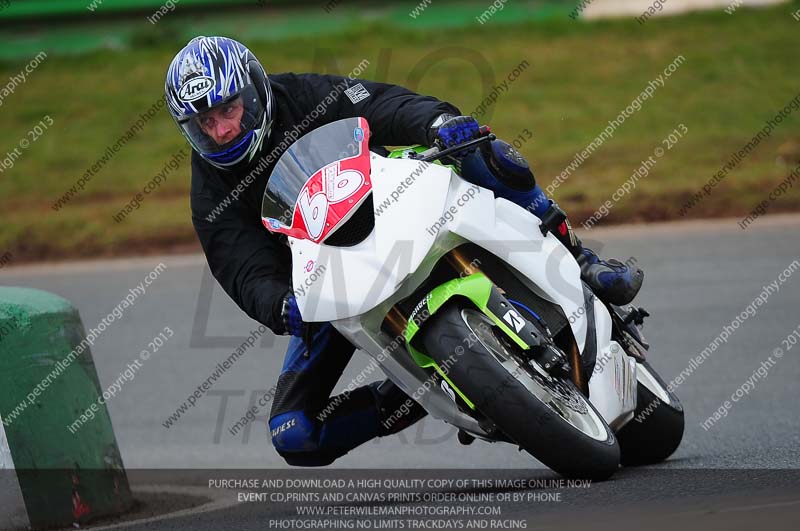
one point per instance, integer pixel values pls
(741, 472)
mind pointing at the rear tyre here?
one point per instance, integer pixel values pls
(546, 416)
(656, 429)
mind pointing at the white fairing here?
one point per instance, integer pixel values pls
(361, 283)
(513, 234)
(612, 386)
(376, 266)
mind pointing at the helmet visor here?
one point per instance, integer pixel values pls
(209, 132)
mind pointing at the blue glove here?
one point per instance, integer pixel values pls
(292, 320)
(457, 130)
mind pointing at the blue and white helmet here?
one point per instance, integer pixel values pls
(213, 71)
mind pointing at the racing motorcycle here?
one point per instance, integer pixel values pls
(468, 303)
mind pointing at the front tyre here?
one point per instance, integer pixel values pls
(548, 417)
(656, 429)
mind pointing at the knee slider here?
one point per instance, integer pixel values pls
(502, 169)
(499, 167)
(295, 437)
(308, 458)
(508, 164)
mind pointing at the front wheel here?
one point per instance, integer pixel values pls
(546, 416)
(656, 429)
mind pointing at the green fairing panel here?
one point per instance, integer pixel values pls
(478, 289)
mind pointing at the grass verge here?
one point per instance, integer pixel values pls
(580, 76)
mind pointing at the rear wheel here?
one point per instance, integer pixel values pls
(545, 415)
(656, 429)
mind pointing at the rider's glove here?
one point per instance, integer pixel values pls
(292, 320)
(449, 130)
(294, 325)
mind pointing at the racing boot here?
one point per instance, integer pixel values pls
(503, 169)
(612, 281)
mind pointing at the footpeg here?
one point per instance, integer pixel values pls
(636, 315)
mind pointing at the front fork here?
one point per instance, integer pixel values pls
(475, 286)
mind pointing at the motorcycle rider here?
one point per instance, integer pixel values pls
(238, 121)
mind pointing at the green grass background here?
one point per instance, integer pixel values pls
(739, 71)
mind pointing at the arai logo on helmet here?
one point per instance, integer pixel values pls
(274, 223)
(195, 88)
(358, 134)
